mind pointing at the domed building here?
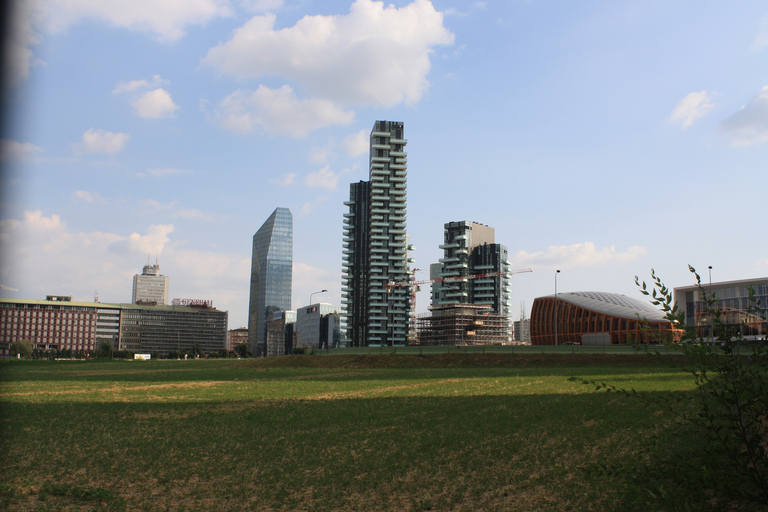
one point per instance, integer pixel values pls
(597, 318)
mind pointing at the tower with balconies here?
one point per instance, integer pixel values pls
(375, 247)
(469, 249)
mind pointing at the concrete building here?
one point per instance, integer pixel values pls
(462, 324)
(56, 324)
(522, 331)
(739, 316)
(281, 333)
(318, 326)
(150, 287)
(375, 246)
(597, 318)
(271, 276)
(237, 337)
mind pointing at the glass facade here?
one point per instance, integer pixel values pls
(271, 275)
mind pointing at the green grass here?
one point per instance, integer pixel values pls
(265, 435)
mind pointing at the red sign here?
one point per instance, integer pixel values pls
(193, 302)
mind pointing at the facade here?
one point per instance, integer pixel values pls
(597, 318)
(237, 337)
(82, 326)
(375, 246)
(51, 324)
(462, 324)
(271, 276)
(522, 331)
(165, 329)
(150, 287)
(469, 249)
(740, 317)
(281, 333)
(317, 326)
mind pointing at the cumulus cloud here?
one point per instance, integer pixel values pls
(356, 144)
(13, 150)
(308, 279)
(101, 141)
(308, 208)
(43, 255)
(749, 125)
(261, 5)
(323, 178)
(284, 181)
(137, 85)
(374, 55)
(83, 196)
(694, 106)
(279, 112)
(577, 255)
(162, 172)
(155, 104)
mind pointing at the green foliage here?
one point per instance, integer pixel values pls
(721, 459)
(243, 350)
(22, 347)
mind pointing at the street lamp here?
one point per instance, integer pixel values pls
(557, 272)
(711, 317)
(314, 293)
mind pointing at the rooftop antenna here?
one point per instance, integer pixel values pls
(96, 296)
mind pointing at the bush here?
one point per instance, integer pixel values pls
(718, 454)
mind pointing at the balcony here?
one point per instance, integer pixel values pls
(381, 134)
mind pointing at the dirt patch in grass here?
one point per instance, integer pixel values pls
(450, 360)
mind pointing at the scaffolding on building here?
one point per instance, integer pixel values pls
(462, 324)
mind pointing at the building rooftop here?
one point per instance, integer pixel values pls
(613, 304)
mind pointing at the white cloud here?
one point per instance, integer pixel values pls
(167, 20)
(136, 85)
(175, 210)
(261, 5)
(308, 208)
(88, 197)
(155, 104)
(278, 111)
(691, 108)
(14, 150)
(576, 255)
(321, 155)
(761, 40)
(375, 55)
(356, 144)
(42, 255)
(749, 126)
(159, 173)
(101, 141)
(323, 178)
(286, 181)
(307, 280)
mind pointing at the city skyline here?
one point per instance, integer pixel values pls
(600, 139)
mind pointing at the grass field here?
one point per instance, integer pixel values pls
(440, 432)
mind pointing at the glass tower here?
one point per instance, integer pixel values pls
(271, 276)
(375, 247)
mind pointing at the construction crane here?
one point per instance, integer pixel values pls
(415, 285)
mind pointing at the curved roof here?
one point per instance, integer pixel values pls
(613, 304)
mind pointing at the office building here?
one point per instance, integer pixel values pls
(375, 246)
(59, 324)
(150, 287)
(317, 326)
(738, 315)
(597, 318)
(281, 333)
(469, 249)
(271, 276)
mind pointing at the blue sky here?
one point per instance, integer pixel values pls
(598, 138)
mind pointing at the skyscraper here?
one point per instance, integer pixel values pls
(271, 276)
(469, 249)
(375, 245)
(150, 287)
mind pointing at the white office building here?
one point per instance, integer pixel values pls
(150, 287)
(317, 326)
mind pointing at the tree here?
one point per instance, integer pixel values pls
(23, 348)
(242, 350)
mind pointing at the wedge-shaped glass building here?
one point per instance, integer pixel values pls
(271, 276)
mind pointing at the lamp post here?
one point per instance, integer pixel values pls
(711, 318)
(315, 293)
(557, 272)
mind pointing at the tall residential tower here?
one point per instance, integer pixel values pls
(375, 246)
(271, 276)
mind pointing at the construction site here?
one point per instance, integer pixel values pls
(462, 324)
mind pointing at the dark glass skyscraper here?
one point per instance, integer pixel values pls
(271, 276)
